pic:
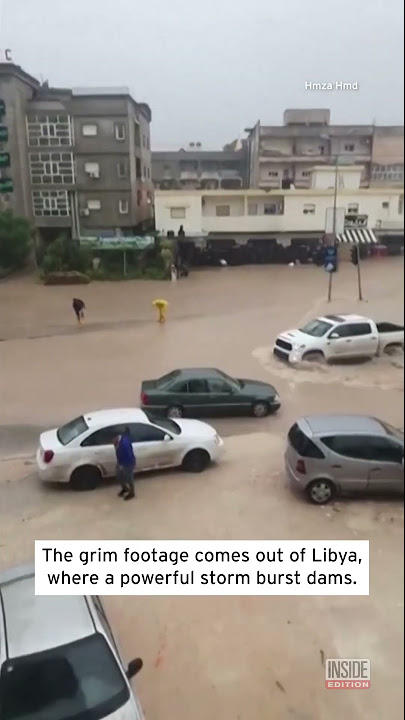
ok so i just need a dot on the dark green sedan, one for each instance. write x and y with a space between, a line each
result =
205 391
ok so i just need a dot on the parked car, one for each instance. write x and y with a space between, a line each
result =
207 391
58 657
82 452
331 454
339 336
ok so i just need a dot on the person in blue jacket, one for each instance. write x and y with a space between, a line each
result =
126 464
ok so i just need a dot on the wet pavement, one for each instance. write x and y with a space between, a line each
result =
234 658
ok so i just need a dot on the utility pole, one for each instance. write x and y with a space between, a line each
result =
335 195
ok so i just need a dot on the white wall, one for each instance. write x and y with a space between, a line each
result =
349 178
282 146
201 215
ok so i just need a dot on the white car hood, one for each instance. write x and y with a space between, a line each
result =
195 429
296 337
128 711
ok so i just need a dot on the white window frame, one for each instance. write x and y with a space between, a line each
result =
89 129
306 173
50 203
49 130
353 208
120 131
309 209
52 167
94 205
123 207
274 173
222 210
177 213
349 147
385 205
122 164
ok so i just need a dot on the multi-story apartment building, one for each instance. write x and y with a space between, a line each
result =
281 155
200 169
80 159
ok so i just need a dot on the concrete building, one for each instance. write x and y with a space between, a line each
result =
194 168
289 216
281 155
80 160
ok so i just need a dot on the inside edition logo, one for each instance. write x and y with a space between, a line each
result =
344 674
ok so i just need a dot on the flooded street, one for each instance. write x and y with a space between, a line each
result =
196 666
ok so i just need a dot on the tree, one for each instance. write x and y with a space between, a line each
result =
63 255
15 241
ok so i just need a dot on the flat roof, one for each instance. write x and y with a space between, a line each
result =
35 623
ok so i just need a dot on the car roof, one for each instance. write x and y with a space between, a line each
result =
114 416
35 623
341 318
344 424
197 372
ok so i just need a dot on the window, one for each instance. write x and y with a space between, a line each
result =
273 173
309 209
139 197
92 169
122 169
197 386
181 387
167 379
55 168
353 208
165 423
178 213
120 131
386 205
89 130
48 130
81 679
145 433
316 328
270 209
69 432
137 135
93 204
365 447
353 330
222 210
349 148
218 386
51 203
302 444
138 168
306 173
123 207
252 209
105 436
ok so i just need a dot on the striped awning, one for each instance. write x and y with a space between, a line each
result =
361 236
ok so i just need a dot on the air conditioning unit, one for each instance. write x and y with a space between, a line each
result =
85 212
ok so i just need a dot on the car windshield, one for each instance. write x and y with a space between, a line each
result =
232 381
164 423
79 681
316 328
165 379
394 432
69 432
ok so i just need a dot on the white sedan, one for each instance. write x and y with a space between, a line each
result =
82 452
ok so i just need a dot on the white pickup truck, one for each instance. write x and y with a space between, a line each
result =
338 336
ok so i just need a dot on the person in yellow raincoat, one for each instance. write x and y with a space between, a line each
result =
161 306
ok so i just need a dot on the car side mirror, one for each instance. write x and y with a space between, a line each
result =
134 667
334 336
167 438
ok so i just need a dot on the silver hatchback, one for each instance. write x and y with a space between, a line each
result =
337 454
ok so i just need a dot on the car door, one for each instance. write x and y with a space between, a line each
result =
364 340
153 447
348 461
98 448
386 473
339 341
223 398
197 397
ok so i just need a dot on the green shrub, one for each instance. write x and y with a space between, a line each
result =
63 255
15 241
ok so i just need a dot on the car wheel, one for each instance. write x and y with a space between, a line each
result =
174 411
260 409
85 478
321 491
196 461
393 349
316 356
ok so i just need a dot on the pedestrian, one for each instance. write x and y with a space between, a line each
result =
161 306
126 464
79 308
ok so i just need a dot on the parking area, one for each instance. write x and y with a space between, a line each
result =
235 658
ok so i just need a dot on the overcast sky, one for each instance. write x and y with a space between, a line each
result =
210 68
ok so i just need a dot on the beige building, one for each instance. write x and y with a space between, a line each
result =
362 215
279 156
80 160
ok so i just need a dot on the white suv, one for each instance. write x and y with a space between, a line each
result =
58 657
